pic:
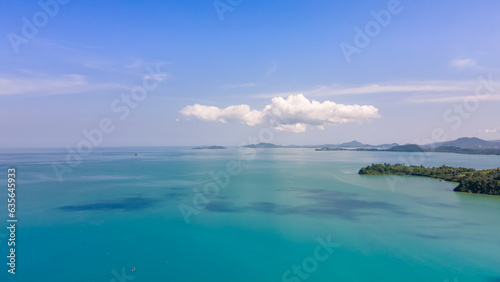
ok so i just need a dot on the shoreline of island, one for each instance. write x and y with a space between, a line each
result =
469 180
464 145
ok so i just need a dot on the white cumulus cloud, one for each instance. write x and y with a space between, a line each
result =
494 130
292 114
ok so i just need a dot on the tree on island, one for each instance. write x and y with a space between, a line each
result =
470 180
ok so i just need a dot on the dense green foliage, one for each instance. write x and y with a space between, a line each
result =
470 180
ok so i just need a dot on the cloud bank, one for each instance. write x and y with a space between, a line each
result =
382 88
463 63
292 114
494 130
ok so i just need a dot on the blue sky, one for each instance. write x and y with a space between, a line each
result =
423 71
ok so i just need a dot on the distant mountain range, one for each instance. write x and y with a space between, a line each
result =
348 145
465 145
355 144
266 145
469 143
210 148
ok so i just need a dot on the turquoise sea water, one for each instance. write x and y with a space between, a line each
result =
117 211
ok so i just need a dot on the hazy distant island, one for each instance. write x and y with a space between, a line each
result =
265 145
210 148
445 149
349 145
465 145
470 180
348 149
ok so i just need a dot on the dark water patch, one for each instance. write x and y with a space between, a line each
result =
223 206
175 195
471 224
428 236
270 208
429 203
325 201
309 210
226 206
347 214
308 191
128 204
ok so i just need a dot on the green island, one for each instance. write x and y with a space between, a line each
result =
210 148
470 180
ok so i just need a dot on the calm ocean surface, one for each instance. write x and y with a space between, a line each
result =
292 214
